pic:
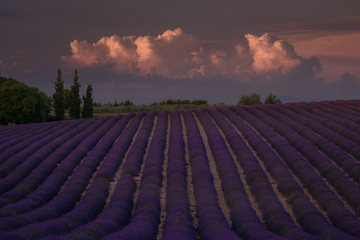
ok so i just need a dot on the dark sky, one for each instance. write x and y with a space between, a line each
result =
147 51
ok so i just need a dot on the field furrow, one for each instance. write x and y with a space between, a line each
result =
284 171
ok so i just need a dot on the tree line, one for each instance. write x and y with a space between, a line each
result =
20 103
70 99
181 102
255 98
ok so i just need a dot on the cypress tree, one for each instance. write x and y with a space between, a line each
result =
59 97
66 98
75 100
87 111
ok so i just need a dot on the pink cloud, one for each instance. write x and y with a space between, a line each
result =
271 54
177 54
334 41
119 51
169 54
338 52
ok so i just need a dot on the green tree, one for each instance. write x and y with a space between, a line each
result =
59 97
199 102
20 103
253 98
87 110
75 100
272 99
48 104
126 103
67 98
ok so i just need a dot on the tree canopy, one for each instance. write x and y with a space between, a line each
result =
272 99
250 99
67 99
75 100
87 110
20 103
59 97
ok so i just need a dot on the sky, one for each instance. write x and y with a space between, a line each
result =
146 51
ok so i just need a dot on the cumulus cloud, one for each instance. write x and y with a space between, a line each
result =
177 54
171 54
271 54
118 51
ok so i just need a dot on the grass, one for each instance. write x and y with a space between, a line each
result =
106 110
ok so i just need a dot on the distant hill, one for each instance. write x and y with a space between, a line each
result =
288 99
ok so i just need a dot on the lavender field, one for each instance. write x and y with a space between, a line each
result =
284 171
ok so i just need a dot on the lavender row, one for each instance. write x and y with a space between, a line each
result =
27 146
93 202
343 159
71 192
119 149
346 144
307 215
23 163
146 217
350 107
343 185
8 130
276 217
327 199
178 221
135 156
245 221
341 125
212 222
341 117
39 174
10 141
118 211
36 151
19 134
339 110
13 130
32 131
338 155
9 133
52 184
